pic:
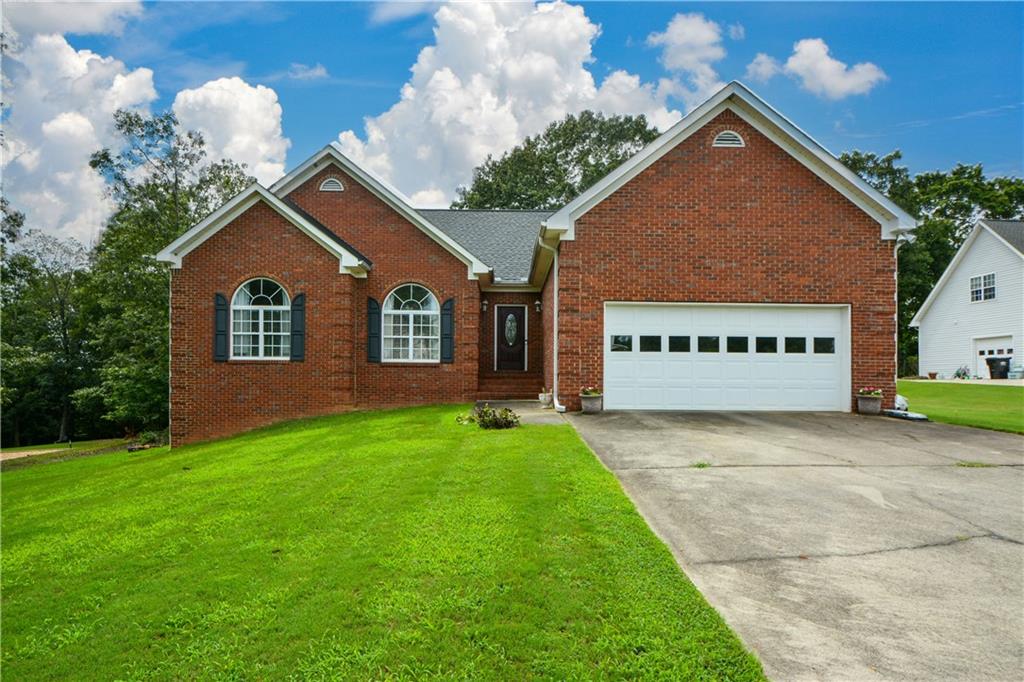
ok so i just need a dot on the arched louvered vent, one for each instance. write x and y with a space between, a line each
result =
332 185
728 138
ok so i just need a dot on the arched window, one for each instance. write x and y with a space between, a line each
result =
332 185
412 325
261 324
728 138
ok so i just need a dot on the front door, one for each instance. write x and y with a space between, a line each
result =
510 337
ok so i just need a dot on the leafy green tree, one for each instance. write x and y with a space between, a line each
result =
549 170
163 184
947 204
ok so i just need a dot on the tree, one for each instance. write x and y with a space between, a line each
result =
163 185
947 204
551 169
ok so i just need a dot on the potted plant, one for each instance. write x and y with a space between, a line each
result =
545 397
933 375
592 399
869 400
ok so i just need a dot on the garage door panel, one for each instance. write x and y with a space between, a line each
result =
686 378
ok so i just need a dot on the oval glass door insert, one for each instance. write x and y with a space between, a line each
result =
510 329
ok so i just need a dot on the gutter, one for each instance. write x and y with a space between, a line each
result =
554 354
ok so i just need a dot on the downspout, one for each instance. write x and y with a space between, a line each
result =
554 351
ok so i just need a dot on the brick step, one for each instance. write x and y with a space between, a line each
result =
507 395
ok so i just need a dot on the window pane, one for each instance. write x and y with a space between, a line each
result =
796 344
824 344
622 343
679 344
396 325
426 325
766 344
245 345
736 344
650 344
707 344
426 349
396 349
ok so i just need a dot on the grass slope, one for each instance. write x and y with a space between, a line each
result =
76 446
382 544
986 406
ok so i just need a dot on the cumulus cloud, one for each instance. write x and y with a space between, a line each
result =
61 103
387 12
763 68
239 122
496 73
818 71
29 18
690 45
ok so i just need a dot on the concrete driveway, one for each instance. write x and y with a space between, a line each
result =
839 547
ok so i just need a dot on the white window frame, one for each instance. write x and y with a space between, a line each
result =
332 184
409 314
261 333
982 287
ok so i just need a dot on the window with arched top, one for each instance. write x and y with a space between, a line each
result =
411 325
261 324
728 138
332 185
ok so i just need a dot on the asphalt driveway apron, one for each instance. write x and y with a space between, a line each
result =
838 547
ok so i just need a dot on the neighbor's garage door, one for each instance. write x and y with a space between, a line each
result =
722 357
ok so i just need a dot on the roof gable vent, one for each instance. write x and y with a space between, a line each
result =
728 138
332 185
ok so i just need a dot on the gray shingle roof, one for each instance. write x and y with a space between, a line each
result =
504 240
1010 230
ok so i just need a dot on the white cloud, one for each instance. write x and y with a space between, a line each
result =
393 10
690 45
737 32
304 72
496 73
763 68
824 75
818 71
239 122
62 102
29 18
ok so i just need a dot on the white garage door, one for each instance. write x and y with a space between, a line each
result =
726 357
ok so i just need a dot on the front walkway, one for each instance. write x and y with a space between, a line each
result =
838 547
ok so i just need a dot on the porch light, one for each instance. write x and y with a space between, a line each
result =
483 305
537 305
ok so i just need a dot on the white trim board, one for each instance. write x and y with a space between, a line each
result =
738 98
387 193
173 253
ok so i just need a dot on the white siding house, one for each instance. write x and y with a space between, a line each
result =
976 310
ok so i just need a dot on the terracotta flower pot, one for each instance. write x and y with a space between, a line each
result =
592 404
869 404
933 375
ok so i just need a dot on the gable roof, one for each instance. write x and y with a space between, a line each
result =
505 240
323 228
387 193
738 98
350 261
1013 228
1010 231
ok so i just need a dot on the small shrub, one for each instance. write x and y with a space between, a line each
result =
153 437
962 373
486 417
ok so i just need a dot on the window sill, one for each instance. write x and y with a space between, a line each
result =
414 363
259 359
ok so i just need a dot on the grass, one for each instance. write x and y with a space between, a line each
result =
76 446
389 544
985 406
969 464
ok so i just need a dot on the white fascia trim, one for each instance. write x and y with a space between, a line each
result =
947 273
893 220
1000 238
385 191
173 253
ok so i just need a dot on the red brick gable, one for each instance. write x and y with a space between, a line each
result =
729 225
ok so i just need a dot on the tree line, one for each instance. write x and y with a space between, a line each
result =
84 339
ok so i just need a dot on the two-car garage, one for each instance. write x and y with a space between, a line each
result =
695 356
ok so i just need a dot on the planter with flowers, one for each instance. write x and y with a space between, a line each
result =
592 399
869 400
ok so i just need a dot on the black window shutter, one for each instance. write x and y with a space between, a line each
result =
299 328
372 330
448 331
220 328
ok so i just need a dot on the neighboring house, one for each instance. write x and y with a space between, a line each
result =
976 310
732 264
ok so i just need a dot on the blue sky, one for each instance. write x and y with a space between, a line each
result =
945 82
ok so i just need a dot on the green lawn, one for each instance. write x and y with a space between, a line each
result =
986 406
371 545
76 446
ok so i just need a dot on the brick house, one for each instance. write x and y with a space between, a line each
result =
732 264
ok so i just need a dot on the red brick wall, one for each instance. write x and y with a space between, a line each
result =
533 378
749 225
211 399
401 253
